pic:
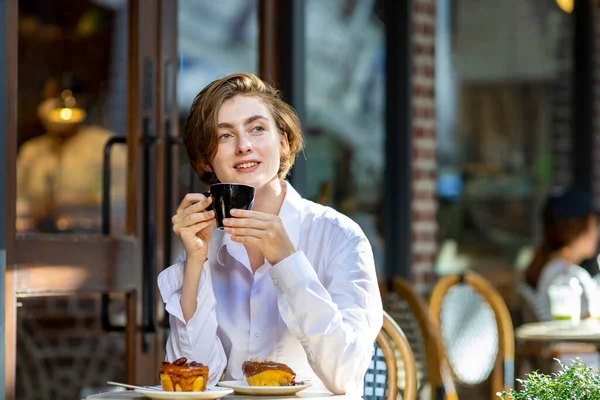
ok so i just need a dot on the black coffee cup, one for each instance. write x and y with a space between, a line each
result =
227 196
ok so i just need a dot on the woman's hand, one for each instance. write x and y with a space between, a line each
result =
260 230
194 225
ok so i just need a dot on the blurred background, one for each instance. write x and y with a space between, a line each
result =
438 125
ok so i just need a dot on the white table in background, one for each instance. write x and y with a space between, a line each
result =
587 331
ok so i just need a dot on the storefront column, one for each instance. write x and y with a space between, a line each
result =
398 139
583 95
281 62
8 134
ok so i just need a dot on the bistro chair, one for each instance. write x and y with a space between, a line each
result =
540 356
391 351
531 307
410 312
477 332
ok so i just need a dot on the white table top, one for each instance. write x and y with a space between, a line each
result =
588 331
313 395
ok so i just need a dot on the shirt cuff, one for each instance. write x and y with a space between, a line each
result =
170 282
293 270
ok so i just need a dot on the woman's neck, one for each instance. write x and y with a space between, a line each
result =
569 259
269 197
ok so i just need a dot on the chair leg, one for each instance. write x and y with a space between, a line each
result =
496 379
130 333
439 393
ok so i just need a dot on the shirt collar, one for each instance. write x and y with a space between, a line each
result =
290 214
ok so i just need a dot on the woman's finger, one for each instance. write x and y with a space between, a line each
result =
196 217
247 222
239 213
193 209
196 228
190 199
257 233
249 240
186 219
198 206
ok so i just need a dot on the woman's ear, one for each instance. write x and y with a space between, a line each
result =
284 143
202 166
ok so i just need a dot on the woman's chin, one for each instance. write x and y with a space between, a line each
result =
256 180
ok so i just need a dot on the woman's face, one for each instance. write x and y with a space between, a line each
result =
585 246
250 144
590 245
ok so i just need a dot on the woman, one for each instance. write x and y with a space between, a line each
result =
570 236
290 279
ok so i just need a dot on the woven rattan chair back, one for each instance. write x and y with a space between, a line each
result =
533 309
476 330
380 381
409 310
392 351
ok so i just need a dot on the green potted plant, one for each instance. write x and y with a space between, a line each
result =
575 381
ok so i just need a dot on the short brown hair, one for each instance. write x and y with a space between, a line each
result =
557 235
200 133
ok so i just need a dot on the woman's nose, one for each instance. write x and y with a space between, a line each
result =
244 144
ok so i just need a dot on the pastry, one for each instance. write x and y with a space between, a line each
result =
181 376
268 373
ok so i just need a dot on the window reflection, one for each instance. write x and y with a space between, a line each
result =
215 38
345 102
503 87
72 99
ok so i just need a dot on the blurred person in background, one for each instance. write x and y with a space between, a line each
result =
570 236
59 173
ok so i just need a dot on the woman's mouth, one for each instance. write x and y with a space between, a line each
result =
247 166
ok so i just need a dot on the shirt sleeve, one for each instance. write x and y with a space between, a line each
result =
336 321
197 339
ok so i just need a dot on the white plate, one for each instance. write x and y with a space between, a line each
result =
209 394
116 395
241 387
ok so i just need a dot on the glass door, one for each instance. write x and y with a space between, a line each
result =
95 125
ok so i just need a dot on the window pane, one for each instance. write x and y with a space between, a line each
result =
503 85
345 52
72 99
215 39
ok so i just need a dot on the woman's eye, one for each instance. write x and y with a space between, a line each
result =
258 129
224 136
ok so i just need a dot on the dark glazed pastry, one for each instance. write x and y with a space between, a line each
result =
181 376
268 373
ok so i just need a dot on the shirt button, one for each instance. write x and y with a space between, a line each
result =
257 333
275 282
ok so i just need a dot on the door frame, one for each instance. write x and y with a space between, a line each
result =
147 48
8 151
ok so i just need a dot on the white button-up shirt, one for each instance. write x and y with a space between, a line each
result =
318 311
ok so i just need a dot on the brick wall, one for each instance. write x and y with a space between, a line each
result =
424 202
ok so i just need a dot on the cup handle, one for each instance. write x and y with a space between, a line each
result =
210 206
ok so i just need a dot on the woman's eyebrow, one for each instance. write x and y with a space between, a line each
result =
246 122
253 118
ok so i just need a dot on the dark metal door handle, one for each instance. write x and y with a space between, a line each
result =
106 182
106 207
149 229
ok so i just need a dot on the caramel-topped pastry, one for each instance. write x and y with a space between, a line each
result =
268 373
181 376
